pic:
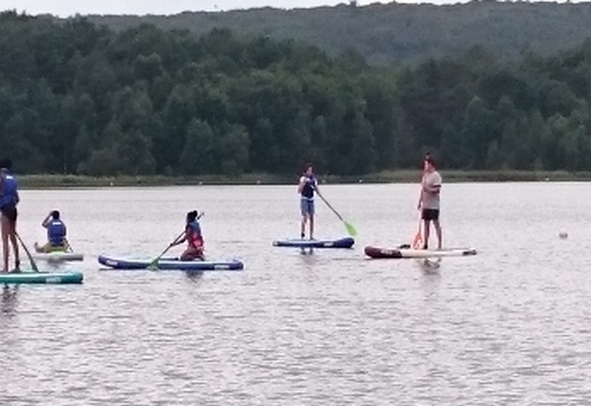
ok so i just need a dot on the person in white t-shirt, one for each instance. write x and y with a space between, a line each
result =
429 202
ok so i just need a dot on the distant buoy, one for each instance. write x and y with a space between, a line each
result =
563 234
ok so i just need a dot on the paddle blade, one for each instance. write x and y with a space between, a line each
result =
153 265
417 243
350 229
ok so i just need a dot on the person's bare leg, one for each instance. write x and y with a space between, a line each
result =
5 247
426 232
17 259
303 227
438 232
311 226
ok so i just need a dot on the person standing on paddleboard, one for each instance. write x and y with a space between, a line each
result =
193 237
429 201
9 199
306 188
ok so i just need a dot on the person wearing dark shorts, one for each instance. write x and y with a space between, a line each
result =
9 199
429 201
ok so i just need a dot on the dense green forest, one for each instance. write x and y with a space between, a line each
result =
80 98
394 32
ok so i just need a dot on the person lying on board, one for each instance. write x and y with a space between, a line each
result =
56 234
193 237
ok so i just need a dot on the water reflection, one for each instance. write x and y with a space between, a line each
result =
9 299
430 266
195 277
430 276
306 251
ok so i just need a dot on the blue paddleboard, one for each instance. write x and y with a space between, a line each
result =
346 242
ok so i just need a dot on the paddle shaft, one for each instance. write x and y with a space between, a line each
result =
31 260
330 207
68 246
169 247
418 240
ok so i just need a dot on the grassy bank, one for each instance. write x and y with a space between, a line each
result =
404 176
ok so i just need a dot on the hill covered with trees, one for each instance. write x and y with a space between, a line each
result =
84 99
385 33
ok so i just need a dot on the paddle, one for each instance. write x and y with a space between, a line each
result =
31 260
350 229
417 242
68 246
154 264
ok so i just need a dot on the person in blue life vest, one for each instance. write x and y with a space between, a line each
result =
429 201
56 234
9 199
307 186
193 237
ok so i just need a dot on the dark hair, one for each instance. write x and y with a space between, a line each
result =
55 214
191 216
308 165
5 163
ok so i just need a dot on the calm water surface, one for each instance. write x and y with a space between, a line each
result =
508 326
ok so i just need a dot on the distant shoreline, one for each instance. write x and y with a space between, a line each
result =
402 176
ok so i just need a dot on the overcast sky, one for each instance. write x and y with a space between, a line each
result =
65 8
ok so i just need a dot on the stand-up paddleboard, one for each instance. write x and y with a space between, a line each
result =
399 253
29 276
58 256
171 264
346 242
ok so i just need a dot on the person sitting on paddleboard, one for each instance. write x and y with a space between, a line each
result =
56 233
9 199
307 186
193 237
429 200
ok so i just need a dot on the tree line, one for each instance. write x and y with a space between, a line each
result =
80 98
397 32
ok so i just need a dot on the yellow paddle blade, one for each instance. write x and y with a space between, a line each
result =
350 229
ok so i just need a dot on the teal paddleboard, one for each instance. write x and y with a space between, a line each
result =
29 276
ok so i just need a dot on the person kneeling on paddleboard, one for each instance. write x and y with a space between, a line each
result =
193 237
56 234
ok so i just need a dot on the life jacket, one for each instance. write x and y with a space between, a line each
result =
194 237
9 190
56 232
309 186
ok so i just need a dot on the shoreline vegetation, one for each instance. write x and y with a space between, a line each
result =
48 181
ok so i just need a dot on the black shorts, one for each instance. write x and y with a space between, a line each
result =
9 211
430 214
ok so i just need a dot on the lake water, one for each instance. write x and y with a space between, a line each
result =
509 326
